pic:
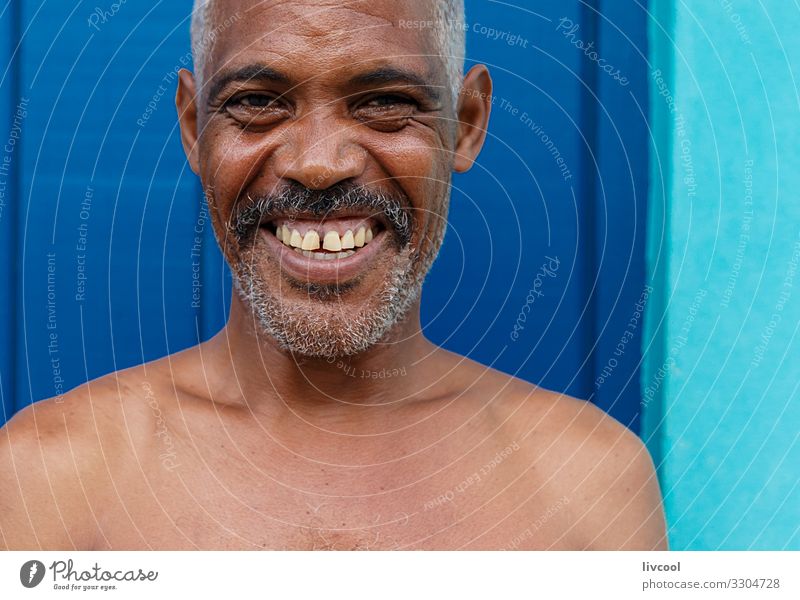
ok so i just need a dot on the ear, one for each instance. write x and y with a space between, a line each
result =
186 102
474 108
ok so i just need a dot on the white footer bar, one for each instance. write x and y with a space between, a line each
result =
401 575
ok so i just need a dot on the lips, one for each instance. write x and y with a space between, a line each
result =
325 251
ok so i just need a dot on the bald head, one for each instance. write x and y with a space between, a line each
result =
447 27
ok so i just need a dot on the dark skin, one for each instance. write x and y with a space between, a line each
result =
237 443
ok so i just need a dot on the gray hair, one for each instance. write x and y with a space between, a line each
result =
448 26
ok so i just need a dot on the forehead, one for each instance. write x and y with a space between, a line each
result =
307 37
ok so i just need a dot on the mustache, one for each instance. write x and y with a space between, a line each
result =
296 201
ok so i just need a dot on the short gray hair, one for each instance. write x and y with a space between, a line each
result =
448 25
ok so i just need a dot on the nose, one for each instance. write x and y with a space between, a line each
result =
320 153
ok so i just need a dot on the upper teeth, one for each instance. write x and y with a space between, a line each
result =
348 240
311 241
331 241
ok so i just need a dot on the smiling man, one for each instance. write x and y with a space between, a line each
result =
325 135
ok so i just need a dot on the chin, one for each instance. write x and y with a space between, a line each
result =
324 317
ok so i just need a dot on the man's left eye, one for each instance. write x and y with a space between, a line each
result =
388 113
390 100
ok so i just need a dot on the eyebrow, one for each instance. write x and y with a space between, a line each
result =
249 73
393 76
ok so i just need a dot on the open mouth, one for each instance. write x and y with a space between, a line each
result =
330 240
330 250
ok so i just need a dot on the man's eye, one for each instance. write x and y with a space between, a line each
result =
257 109
254 101
388 113
390 100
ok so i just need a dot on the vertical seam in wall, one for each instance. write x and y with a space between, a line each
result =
589 19
15 46
655 338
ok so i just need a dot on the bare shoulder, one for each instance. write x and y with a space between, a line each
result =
57 457
599 466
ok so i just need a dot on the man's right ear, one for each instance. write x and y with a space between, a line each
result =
186 102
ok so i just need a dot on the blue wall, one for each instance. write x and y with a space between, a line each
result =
721 379
8 194
100 262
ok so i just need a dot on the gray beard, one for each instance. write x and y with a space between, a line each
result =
322 327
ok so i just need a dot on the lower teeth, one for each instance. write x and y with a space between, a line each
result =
324 255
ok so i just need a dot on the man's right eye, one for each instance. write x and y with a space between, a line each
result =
253 101
257 108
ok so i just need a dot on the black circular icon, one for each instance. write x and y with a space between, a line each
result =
31 573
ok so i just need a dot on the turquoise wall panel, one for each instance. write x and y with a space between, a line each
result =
722 351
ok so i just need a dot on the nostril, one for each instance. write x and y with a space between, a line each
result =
316 169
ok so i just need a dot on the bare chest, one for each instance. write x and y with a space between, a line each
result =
199 507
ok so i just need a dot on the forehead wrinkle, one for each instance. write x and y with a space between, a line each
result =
291 12
360 7
343 24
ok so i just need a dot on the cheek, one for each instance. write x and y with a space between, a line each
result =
228 162
418 165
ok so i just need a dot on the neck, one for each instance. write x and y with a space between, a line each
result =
254 371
